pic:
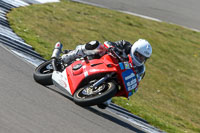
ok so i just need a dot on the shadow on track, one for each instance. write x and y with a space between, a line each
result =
100 113
115 120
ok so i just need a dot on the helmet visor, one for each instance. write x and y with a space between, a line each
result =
139 57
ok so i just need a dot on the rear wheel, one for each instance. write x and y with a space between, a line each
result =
87 96
43 73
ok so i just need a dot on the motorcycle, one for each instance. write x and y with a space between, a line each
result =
91 81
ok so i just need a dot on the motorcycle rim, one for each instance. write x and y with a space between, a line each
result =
86 96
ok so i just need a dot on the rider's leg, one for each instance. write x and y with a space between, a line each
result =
105 104
90 48
108 102
74 54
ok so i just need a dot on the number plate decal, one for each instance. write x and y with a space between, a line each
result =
129 79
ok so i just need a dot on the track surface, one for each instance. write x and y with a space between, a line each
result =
181 12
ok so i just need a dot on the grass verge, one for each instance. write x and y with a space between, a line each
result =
169 95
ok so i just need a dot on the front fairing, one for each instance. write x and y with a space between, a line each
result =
127 75
79 71
106 64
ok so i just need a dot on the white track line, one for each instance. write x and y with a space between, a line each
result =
47 1
134 14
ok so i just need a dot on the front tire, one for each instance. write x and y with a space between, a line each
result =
43 73
85 96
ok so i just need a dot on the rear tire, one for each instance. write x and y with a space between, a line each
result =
82 99
43 73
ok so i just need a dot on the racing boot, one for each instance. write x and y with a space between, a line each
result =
57 50
105 104
94 48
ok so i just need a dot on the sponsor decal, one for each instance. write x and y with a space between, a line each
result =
130 80
130 76
121 65
62 83
86 73
126 64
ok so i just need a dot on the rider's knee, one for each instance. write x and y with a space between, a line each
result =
94 47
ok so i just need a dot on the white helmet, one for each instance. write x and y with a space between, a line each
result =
140 52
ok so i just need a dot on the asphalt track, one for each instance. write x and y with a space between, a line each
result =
181 12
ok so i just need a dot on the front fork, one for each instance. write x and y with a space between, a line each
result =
103 79
99 82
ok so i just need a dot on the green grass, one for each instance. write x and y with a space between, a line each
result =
169 95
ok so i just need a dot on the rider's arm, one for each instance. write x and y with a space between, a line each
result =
122 44
140 72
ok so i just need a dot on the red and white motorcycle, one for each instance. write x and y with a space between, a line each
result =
91 82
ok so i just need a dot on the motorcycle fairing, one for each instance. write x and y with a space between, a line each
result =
73 75
60 79
93 67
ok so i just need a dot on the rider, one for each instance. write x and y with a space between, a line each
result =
140 51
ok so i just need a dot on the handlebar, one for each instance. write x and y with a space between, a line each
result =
115 54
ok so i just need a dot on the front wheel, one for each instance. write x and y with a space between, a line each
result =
87 96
